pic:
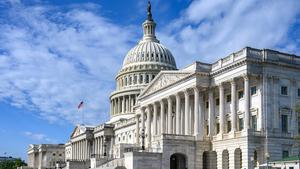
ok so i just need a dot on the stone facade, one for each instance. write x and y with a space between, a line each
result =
45 156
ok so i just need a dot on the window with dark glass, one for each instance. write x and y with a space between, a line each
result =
228 126
285 154
241 124
253 90
299 92
254 122
218 128
240 94
217 102
207 129
206 105
284 123
228 98
284 90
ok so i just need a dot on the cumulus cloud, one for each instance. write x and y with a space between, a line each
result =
38 137
51 59
208 30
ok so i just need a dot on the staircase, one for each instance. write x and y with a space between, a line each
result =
112 164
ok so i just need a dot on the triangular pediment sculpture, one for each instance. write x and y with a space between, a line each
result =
164 79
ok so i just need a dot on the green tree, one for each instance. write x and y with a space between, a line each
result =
12 164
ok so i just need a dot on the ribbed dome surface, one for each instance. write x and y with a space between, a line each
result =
149 52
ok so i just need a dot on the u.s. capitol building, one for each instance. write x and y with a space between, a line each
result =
238 112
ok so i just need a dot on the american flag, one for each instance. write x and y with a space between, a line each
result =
80 105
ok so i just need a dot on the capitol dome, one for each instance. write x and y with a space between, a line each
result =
140 66
151 52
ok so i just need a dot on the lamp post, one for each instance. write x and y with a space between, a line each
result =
267 158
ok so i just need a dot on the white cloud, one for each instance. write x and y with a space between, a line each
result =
39 137
52 59
208 30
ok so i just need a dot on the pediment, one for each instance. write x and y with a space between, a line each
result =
78 131
163 80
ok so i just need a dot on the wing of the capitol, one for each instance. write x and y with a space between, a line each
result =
238 112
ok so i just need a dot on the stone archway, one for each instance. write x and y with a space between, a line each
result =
178 161
225 159
209 160
238 158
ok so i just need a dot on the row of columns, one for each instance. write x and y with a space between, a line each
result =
80 150
233 108
99 146
122 104
192 118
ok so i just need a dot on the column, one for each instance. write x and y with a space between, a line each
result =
148 128
123 104
101 152
247 102
233 106
96 146
137 129
144 78
143 126
169 115
118 104
115 107
129 104
178 107
221 108
155 119
186 113
162 117
196 112
276 104
201 116
211 113
111 108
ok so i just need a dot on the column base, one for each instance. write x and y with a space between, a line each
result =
198 137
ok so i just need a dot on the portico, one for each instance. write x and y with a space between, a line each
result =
183 112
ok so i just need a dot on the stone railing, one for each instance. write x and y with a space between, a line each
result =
102 126
264 55
125 122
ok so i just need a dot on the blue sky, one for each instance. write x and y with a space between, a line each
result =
55 53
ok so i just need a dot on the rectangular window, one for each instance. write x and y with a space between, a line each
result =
228 126
217 102
240 94
253 90
285 154
228 98
284 123
241 124
284 90
218 128
206 105
299 92
254 122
